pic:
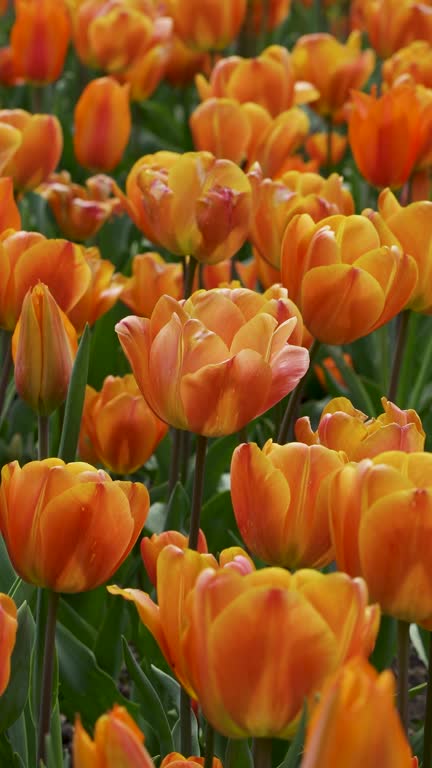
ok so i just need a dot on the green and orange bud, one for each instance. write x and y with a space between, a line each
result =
10 217
44 345
38 152
102 121
68 527
210 223
233 342
104 289
332 67
348 257
117 741
118 429
324 620
208 25
344 428
176 760
8 630
280 511
152 276
347 724
152 546
39 40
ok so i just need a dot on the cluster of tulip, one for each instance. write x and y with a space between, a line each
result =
245 458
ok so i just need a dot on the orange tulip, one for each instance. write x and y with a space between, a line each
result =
222 126
176 760
234 619
332 67
277 503
392 24
231 342
80 212
385 134
219 275
117 741
10 140
268 15
102 292
347 257
8 630
381 522
177 572
343 428
151 278
44 346
278 141
39 150
68 527
102 124
210 223
317 148
347 725
9 214
152 546
329 366
8 76
413 61
27 258
118 429
147 70
184 63
39 40
208 26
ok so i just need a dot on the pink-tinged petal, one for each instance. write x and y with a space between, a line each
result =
201 347
217 312
288 366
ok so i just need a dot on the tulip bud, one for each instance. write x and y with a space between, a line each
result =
37 153
44 345
117 740
39 39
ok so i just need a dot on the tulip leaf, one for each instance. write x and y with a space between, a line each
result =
149 700
359 394
238 754
176 735
385 645
14 698
295 750
178 509
106 356
8 757
37 658
108 654
75 400
85 687
167 688
53 741
218 462
7 573
79 627
218 523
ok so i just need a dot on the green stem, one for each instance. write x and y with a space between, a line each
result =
185 723
174 470
189 268
200 457
184 455
262 753
47 674
209 746
43 437
403 659
402 331
427 743
6 367
246 40
286 429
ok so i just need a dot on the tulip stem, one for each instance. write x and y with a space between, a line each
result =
209 746
185 723
43 437
174 470
189 268
287 424
402 331
47 673
6 367
262 752
427 742
198 487
403 659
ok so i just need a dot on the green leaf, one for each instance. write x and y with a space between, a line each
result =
176 735
218 523
295 750
75 400
150 701
420 639
167 688
106 355
178 509
14 698
7 573
238 754
85 687
8 757
72 620
358 392
385 646
107 652
38 656
218 462
53 741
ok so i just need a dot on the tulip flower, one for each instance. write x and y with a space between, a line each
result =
332 67
39 150
268 15
386 134
152 546
344 428
80 212
184 63
102 122
316 146
232 342
44 346
413 61
117 741
278 141
68 527
10 140
8 630
234 619
102 292
222 126
27 258
381 524
347 725
9 214
176 760
151 277
39 39
118 429
208 26
210 223
347 257
277 502
392 24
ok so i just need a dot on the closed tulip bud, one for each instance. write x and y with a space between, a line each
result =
152 277
392 24
210 25
8 630
102 292
102 121
281 138
118 429
39 150
68 527
221 127
152 546
233 342
148 69
323 620
44 346
345 256
344 428
9 214
347 725
281 514
117 741
27 258
176 760
39 39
